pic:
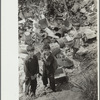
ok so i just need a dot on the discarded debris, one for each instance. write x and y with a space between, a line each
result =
55 48
43 23
61 42
57 24
65 62
60 73
50 33
90 34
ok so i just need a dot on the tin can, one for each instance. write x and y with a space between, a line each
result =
55 48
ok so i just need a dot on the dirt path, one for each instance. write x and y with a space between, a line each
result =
68 91
64 95
72 90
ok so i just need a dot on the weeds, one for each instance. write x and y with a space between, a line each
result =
88 86
90 91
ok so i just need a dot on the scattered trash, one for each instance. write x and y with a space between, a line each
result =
56 24
50 33
55 48
21 21
43 23
61 42
68 38
90 34
60 73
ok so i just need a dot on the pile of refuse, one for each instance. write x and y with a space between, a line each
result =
35 28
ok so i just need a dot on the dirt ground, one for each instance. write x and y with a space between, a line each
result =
80 82
85 68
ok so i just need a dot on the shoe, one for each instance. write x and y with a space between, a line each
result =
45 88
32 94
26 97
54 90
49 90
33 97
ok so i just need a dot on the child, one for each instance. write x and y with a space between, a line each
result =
31 69
48 68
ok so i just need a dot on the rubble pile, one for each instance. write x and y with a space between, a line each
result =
57 24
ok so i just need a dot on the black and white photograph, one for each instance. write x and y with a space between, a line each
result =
58 49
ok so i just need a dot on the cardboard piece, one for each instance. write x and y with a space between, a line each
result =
60 73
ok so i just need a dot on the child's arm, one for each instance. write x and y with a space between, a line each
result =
26 68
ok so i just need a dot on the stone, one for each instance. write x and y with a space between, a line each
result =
90 34
82 51
65 62
83 10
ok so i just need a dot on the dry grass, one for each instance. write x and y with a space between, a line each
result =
86 80
90 90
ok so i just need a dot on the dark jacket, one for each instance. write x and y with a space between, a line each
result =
31 66
48 65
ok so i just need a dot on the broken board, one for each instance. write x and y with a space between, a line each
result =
50 33
65 62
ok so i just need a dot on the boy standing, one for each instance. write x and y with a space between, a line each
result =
31 69
48 68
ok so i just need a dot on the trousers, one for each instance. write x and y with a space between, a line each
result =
45 78
30 85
